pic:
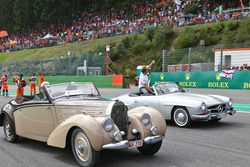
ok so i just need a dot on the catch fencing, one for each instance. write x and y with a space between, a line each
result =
206 58
88 64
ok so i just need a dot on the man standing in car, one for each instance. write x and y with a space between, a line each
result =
144 81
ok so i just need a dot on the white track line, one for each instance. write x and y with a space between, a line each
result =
248 112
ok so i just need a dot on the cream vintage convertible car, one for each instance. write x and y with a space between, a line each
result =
74 114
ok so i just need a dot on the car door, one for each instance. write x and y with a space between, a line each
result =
166 105
146 100
35 120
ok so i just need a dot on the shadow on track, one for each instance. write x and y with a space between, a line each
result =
206 125
108 158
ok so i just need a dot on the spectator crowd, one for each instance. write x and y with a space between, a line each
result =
243 67
89 24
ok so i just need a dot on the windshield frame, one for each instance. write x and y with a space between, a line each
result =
67 93
158 91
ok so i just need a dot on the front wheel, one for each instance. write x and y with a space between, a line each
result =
9 130
181 117
150 149
83 152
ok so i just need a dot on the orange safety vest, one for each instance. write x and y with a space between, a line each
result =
4 83
41 79
32 84
20 88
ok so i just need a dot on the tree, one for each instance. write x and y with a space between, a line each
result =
6 15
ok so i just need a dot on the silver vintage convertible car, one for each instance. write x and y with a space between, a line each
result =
75 115
180 106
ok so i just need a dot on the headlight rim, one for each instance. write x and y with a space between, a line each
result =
143 117
105 127
154 130
117 136
203 106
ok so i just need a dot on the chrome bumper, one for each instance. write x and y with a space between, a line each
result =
125 143
152 139
211 116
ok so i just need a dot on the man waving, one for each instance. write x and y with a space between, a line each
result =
143 80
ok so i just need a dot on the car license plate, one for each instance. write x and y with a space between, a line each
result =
136 143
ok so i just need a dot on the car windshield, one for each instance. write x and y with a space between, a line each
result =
168 87
72 89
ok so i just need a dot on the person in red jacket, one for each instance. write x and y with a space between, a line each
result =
5 86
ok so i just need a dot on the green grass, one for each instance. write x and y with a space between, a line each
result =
62 50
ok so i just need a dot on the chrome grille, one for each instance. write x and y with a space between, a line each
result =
217 108
119 115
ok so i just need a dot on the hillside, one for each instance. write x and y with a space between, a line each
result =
129 51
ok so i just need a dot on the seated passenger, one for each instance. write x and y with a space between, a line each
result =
143 81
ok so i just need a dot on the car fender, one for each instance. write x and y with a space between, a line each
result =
6 110
87 123
156 119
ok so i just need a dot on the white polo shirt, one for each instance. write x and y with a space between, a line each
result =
143 79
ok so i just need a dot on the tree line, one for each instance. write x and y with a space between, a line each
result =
24 15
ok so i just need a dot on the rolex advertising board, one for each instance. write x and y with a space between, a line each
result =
215 80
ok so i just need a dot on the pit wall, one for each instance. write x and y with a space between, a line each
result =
213 80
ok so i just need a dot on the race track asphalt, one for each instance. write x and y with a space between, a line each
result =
224 144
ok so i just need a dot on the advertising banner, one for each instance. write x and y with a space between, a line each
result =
214 80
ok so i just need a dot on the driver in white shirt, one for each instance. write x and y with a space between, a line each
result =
143 80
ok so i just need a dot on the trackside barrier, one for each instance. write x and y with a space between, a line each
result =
214 80
103 81
117 80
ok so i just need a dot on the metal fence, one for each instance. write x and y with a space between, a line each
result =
93 64
205 58
189 59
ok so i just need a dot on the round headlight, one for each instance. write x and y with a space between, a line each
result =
203 106
145 119
118 136
154 130
230 102
108 124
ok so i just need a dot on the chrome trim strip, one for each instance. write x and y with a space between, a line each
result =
200 117
125 143
116 146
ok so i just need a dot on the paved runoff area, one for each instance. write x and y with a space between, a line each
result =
223 144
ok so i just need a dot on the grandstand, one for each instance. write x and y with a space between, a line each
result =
90 23
150 17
